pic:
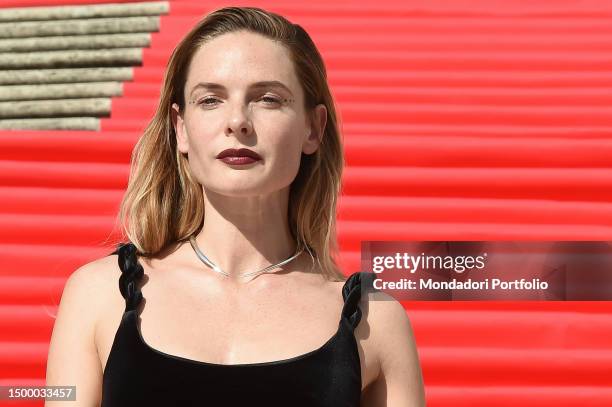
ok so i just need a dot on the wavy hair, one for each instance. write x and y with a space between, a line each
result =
163 203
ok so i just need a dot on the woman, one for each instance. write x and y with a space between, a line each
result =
230 215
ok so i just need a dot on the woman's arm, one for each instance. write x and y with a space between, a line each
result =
400 381
73 358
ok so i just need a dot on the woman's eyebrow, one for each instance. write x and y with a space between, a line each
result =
261 84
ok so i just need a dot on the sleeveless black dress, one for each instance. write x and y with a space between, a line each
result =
138 375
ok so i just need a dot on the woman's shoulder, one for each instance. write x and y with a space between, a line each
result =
394 347
385 314
94 286
92 275
390 330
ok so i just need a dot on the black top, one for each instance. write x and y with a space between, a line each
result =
138 375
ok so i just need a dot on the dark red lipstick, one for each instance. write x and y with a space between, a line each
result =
238 156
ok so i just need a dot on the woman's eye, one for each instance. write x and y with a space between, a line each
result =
206 101
269 100
212 101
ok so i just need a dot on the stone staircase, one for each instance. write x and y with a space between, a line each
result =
60 66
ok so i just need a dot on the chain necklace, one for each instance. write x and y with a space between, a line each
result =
216 268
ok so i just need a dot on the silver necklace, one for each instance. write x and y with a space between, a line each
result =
216 268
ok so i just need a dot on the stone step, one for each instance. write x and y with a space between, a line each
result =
71 58
79 26
74 42
65 75
61 91
57 107
84 11
52 123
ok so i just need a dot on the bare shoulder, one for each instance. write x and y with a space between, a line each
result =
387 316
92 280
400 379
93 286
95 272
73 356
386 322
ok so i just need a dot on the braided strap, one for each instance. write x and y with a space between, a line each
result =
358 283
131 272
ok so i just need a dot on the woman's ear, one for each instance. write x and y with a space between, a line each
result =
314 136
182 142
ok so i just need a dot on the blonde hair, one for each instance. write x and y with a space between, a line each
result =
163 203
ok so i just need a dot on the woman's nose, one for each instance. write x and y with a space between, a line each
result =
240 120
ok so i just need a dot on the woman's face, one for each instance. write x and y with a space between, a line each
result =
230 110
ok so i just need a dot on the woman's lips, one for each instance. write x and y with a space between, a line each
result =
238 152
238 160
